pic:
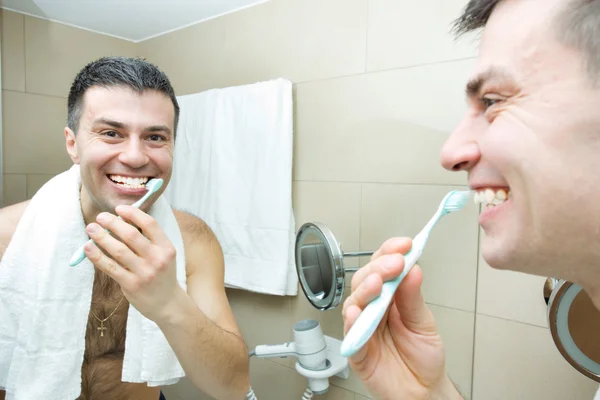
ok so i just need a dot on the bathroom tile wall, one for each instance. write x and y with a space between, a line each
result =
39 61
378 87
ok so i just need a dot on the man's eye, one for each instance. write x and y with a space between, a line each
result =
489 102
111 134
156 138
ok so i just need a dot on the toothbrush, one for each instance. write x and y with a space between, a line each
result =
151 186
367 322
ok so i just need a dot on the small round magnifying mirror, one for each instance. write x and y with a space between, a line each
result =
320 265
575 325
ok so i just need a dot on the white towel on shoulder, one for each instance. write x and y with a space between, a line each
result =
44 303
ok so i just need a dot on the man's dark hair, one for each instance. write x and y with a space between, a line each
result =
577 25
134 73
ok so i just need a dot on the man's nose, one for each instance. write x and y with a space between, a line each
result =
461 150
134 154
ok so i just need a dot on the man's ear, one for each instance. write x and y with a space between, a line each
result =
71 145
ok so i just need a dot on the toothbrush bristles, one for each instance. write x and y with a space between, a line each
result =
457 200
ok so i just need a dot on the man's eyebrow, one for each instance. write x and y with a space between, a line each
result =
492 74
159 128
109 122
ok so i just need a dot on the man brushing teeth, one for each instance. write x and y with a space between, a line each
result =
530 145
122 122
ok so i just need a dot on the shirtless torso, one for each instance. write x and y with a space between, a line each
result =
105 348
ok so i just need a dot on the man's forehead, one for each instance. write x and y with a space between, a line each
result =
519 36
98 99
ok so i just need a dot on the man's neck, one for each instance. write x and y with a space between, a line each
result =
89 210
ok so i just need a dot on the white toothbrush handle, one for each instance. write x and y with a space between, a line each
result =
369 319
79 255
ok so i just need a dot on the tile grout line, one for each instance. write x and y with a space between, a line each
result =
464 185
351 75
475 315
360 216
368 3
35 94
513 320
24 55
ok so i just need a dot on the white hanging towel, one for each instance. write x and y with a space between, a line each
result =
233 169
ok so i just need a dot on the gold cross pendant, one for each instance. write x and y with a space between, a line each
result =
101 328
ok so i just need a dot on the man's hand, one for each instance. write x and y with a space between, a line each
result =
404 359
142 263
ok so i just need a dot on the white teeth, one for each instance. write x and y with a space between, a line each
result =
129 182
491 197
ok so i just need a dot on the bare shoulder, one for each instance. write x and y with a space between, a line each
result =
9 219
199 241
194 229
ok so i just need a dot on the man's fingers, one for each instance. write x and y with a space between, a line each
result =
126 232
149 226
394 245
106 264
367 291
387 266
119 251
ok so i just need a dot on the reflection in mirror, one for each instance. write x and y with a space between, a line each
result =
320 265
316 264
575 326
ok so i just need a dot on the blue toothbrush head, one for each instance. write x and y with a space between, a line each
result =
154 184
455 200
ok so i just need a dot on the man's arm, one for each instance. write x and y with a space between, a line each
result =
199 324
201 328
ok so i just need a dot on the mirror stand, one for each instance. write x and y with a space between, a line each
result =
320 265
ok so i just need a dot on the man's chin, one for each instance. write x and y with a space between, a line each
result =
497 254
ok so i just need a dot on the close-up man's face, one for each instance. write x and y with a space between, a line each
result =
530 142
124 139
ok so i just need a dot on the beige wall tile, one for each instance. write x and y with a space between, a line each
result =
34 133
335 204
35 183
54 53
393 23
457 330
298 40
380 127
13 51
262 319
14 189
449 262
519 361
511 295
